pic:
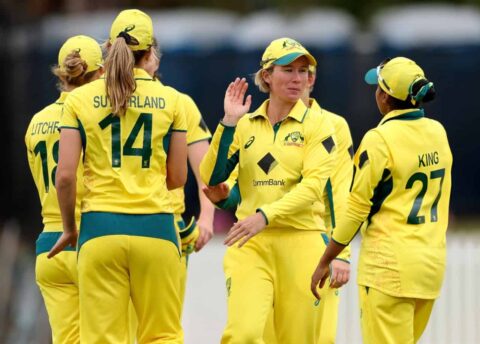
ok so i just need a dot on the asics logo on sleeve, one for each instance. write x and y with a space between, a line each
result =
249 142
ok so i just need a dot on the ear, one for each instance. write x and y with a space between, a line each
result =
266 76
382 95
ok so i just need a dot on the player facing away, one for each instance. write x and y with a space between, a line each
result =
196 234
285 155
331 208
132 131
401 189
79 62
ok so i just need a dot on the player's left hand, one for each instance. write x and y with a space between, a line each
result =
245 229
206 232
189 236
319 277
340 273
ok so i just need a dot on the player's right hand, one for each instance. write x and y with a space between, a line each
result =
235 104
66 239
319 277
216 193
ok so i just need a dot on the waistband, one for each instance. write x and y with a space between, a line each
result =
46 240
96 224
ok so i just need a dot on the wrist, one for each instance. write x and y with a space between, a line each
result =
208 220
229 121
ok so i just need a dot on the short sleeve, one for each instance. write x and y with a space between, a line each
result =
197 130
179 115
69 117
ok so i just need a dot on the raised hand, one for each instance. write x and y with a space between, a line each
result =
235 104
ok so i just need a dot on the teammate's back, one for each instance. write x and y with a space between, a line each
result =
131 178
409 214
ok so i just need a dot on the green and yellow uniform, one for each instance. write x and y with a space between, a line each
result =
282 170
127 208
401 188
57 277
332 207
197 131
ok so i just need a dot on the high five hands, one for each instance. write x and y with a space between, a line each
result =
235 104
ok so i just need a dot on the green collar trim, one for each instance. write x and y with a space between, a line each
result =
408 116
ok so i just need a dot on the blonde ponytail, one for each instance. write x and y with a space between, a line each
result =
119 77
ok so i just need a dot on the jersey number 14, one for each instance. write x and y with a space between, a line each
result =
144 121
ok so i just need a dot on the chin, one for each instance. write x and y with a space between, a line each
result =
292 97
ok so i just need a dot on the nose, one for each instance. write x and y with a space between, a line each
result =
296 76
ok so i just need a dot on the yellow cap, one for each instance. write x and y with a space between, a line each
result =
396 77
284 51
87 47
136 27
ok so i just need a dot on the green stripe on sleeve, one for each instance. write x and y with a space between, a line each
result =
224 165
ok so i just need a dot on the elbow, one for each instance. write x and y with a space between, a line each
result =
64 180
176 180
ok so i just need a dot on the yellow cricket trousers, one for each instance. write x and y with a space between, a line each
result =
58 282
273 270
123 257
387 319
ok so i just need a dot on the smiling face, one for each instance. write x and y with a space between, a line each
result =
289 82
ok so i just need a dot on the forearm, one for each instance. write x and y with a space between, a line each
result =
216 165
299 198
207 209
66 194
331 252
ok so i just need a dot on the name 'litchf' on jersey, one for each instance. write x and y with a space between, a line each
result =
44 128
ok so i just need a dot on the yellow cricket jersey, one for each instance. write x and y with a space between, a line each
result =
338 186
401 188
125 156
42 138
197 131
282 169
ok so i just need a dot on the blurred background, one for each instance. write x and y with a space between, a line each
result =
207 43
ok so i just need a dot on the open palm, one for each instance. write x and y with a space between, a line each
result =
235 103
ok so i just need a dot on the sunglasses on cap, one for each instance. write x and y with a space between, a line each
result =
380 79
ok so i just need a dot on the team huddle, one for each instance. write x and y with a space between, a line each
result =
109 160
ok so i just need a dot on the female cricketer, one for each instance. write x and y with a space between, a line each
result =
79 62
333 207
132 131
285 154
196 233
401 189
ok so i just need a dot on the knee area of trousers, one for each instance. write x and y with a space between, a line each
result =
242 335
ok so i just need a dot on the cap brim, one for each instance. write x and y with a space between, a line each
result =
371 77
289 58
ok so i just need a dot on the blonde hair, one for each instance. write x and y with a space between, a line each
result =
73 71
119 78
259 81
